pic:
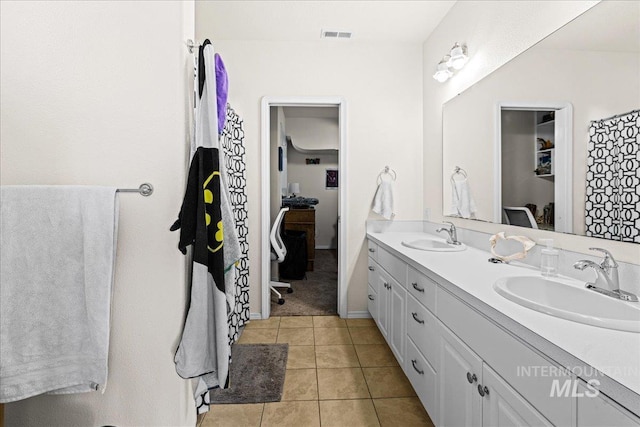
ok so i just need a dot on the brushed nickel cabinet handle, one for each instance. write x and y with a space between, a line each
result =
371 268
413 363
371 298
483 390
415 286
471 378
415 317
371 250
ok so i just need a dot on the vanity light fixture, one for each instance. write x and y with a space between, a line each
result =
452 62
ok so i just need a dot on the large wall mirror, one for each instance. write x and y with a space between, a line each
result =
550 140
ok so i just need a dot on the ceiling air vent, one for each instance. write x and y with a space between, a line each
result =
336 34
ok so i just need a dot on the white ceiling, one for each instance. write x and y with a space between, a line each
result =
303 20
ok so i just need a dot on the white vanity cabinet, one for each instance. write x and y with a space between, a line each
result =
387 298
511 361
471 393
465 367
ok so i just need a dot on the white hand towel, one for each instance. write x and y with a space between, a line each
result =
56 273
383 200
462 203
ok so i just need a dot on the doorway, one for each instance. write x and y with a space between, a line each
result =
533 165
318 174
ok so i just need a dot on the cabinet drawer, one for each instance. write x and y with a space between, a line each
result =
523 369
394 266
372 249
300 216
372 302
422 288
422 377
422 328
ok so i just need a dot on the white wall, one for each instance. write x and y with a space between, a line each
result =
382 86
96 93
316 137
312 184
494 33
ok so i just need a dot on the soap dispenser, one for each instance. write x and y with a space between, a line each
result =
549 259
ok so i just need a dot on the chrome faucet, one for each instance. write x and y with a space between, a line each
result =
452 232
607 281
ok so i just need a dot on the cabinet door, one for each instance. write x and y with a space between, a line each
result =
372 302
397 321
502 406
384 284
372 291
459 403
596 410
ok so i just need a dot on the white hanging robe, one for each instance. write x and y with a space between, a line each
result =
204 350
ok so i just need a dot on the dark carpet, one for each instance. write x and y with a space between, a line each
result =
257 374
315 296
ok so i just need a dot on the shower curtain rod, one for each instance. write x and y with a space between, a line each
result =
145 189
615 116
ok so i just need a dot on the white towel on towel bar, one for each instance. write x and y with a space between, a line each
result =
462 203
383 200
56 273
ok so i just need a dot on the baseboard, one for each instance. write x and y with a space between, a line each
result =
321 247
358 315
350 315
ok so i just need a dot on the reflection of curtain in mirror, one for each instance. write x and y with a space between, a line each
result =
613 178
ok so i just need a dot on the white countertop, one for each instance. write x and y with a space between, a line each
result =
614 353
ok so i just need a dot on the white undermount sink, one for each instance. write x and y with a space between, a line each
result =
436 245
570 302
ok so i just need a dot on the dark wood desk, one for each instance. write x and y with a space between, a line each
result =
304 220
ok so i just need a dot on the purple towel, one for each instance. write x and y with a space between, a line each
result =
222 89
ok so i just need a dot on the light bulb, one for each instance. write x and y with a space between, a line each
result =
442 73
458 57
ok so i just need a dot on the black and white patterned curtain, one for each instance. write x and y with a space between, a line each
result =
232 141
613 178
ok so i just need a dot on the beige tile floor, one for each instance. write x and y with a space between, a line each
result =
339 373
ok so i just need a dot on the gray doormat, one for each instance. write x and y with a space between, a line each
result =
257 374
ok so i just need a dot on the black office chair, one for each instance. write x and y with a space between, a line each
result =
278 255
520 216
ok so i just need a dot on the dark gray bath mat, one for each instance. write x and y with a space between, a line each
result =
257 374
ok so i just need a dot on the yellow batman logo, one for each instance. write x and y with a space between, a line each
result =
208 199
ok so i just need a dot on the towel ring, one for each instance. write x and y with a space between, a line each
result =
458 171
387 171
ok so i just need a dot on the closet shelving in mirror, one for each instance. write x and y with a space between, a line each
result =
544 143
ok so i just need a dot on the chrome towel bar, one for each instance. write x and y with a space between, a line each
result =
145 189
